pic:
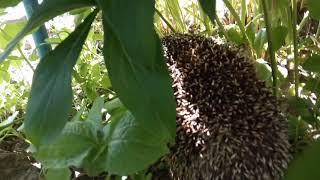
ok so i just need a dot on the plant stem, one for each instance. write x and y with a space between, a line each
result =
165 20
295 48
243 11
270 47
25 58
221 27
302 23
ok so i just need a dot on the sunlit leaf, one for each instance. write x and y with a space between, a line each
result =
51 95
8 3
8 121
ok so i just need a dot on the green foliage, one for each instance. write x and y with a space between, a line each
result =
306 165
312 64
51 96
61 174
8 3
209 7
46 11
142 73
313 6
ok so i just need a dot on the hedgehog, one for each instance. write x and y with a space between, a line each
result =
229 126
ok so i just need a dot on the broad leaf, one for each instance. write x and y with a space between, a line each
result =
209 7
46 11
10 30
123 137
51 94
306 165
312 64
95 112
134 59
58 174
234 34
71 147
279 37
313 6
8 3
263 70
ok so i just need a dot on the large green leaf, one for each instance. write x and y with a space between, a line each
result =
279 36
51 94
134 58
46 11
8 3
209 7
10 30
306 165
312 64
313 6
71 147
123 138
95 112
55 174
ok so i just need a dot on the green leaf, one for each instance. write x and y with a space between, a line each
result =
46 11
95 112
305 166
4 76
175 11
10 30
113 105
279 37
296 127
299 106
263 71
209 7
123 137
234 34
312 64
55 174
9 121
71 147
134 59
260 40
8 3
313 6
51 94
250 31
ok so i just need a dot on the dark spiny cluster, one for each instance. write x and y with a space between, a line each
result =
228 124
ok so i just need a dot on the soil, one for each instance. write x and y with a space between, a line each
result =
15 162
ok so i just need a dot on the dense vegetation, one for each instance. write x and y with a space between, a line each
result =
97 108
